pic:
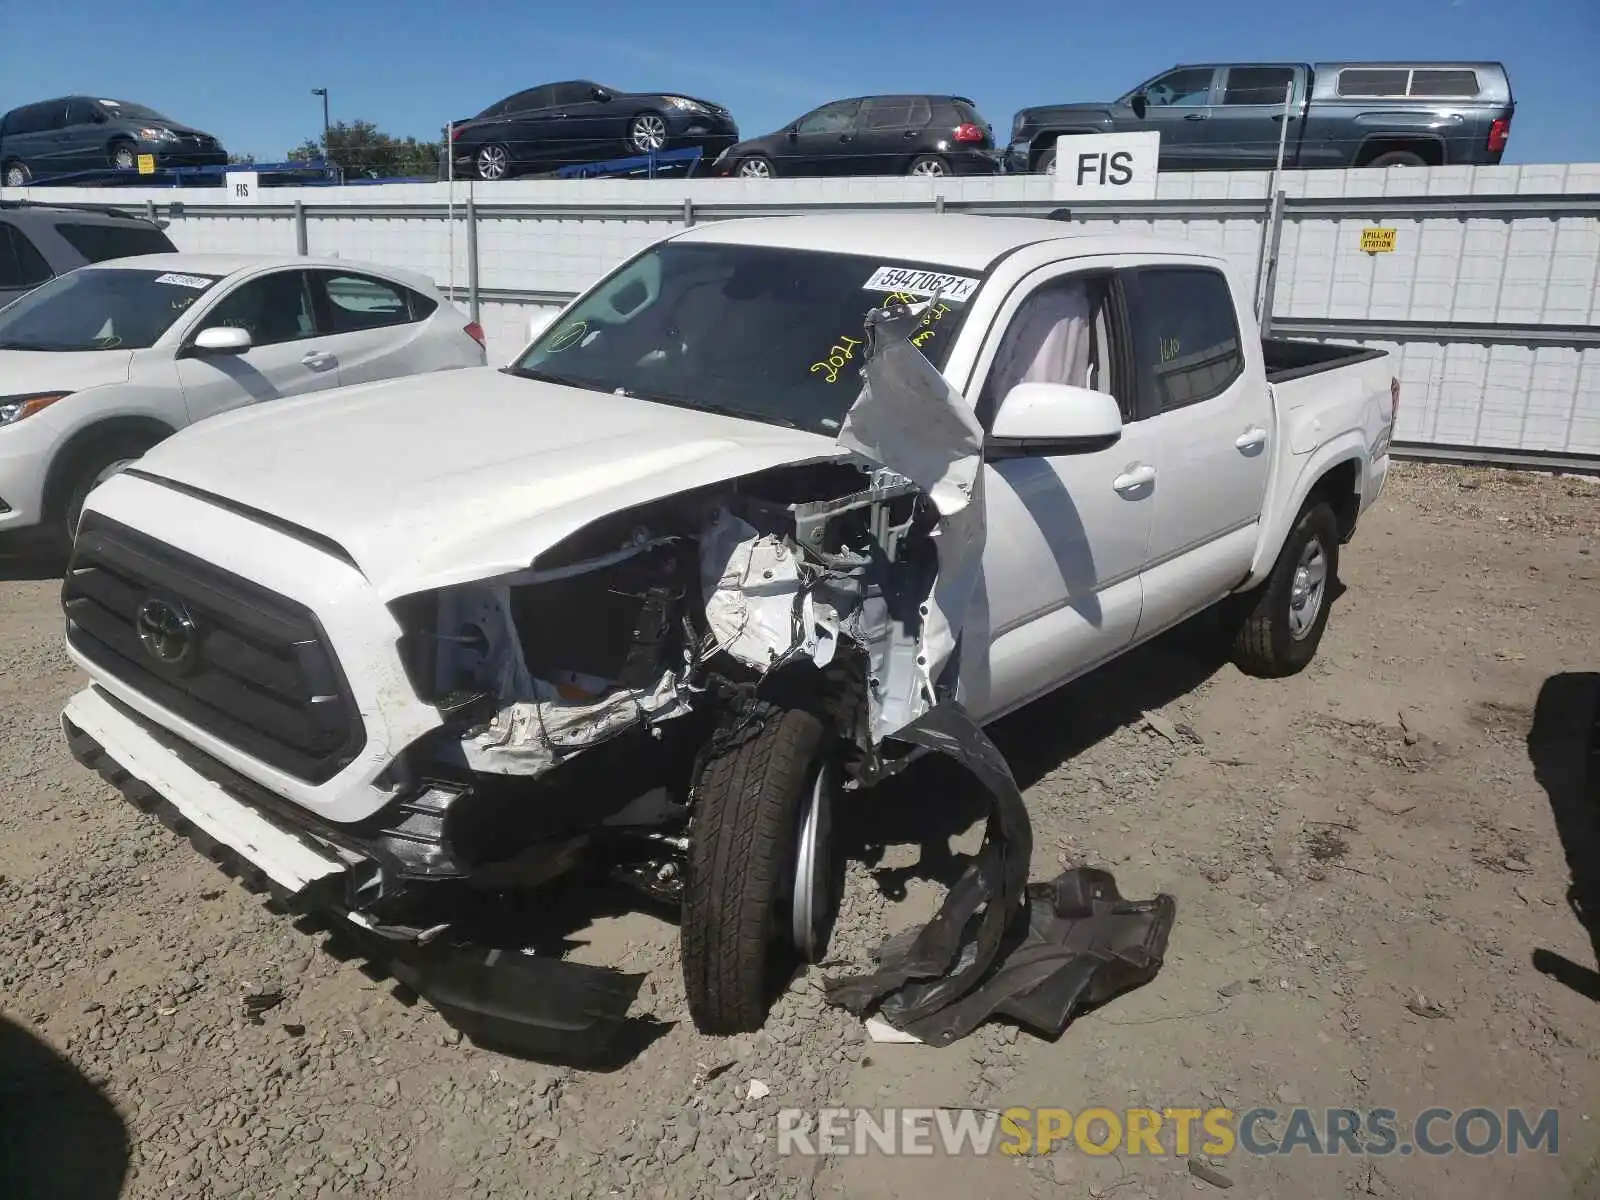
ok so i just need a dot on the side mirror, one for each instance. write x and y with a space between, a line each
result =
793 131
1054 418
222 339
1139 102
601 94
98 117
540 321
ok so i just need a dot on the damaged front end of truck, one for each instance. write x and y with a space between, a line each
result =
580 695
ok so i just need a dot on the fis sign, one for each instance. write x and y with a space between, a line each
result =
1107 166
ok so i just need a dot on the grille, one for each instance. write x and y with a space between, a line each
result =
251 667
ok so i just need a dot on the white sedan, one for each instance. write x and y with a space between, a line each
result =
102 363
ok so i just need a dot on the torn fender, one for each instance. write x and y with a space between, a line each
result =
910 420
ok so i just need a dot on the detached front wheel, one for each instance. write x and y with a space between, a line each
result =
1283 626
763 881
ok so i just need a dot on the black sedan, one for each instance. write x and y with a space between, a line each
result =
562 124
873 135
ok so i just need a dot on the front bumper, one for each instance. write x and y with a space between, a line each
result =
152 776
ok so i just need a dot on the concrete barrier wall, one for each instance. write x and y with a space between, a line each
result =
1490 299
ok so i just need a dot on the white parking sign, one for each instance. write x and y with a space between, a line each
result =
241 186
1107 166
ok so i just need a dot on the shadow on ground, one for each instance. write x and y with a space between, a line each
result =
20 563
1564 746
936 800
60 1138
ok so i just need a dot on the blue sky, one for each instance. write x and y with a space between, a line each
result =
245 72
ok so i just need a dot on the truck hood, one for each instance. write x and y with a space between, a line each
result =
26 371
456 476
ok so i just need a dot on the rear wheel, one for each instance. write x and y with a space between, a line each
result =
763 881
17 175
1399 158
928 164
1285 618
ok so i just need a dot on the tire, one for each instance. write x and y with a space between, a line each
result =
492 162
1277 635
749 807
928 166
757 166
1046 162
122 156
647 133
1399 158
91 466
17 175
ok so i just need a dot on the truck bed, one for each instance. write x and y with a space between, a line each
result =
1288 358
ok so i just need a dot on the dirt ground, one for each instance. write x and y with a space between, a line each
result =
1372 864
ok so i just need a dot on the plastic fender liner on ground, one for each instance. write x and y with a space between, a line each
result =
1036 954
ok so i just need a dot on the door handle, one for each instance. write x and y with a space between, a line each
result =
1135 477
1283 116
1194 116
318 360
909 133
844 137
1251 438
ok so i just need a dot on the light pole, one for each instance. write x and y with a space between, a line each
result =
323 92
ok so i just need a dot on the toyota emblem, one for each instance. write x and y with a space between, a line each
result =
167 632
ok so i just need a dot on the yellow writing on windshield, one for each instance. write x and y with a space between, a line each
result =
839 353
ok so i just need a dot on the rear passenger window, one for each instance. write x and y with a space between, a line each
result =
1257 85
98 243
1185 336
1462 84
21 266
357 302
888 112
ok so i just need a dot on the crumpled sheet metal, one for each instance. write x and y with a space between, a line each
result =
910 420
999 946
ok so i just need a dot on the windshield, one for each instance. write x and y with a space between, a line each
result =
134 112
96 309
776 335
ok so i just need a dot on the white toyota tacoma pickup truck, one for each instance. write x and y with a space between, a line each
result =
663 591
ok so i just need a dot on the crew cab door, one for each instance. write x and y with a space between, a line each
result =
1201 392
1245 127
1178 106
1067 534
288 356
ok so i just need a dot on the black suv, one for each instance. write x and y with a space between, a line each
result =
872 135
564 124
40 241
84 133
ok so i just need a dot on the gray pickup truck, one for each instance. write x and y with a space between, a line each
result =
1230 116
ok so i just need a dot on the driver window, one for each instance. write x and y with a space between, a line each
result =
831 118
274 309
1185 87
1057 335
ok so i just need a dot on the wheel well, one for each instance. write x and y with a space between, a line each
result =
1339 489
69 459
1047 141
1430 150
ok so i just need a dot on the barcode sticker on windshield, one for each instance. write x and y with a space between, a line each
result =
188 281
951 288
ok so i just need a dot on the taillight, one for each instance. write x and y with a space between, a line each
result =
1394 399
968 132
1499 134
475 332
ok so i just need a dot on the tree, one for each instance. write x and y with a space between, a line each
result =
241 160
361 148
